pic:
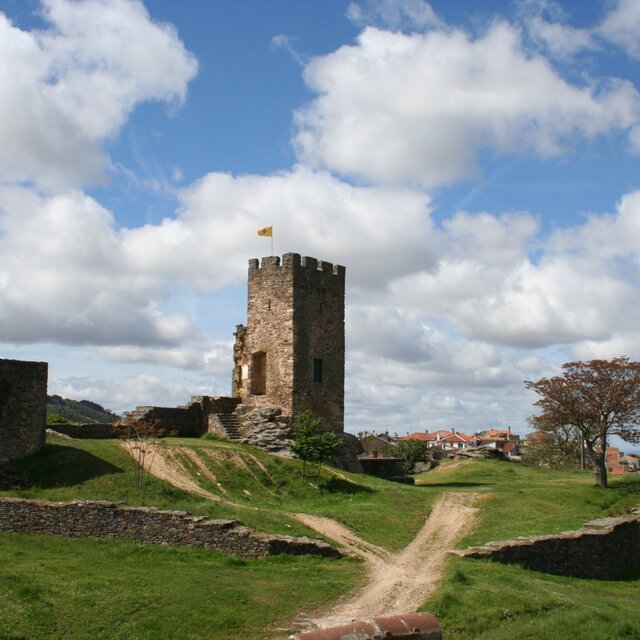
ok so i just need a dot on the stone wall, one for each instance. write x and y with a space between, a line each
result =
23 408
189 420
90 430
186 421
151 525
295 316
604 549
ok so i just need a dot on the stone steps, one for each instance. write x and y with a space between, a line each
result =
230 424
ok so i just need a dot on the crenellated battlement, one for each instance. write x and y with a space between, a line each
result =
294 261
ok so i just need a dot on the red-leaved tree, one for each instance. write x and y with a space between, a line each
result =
599 398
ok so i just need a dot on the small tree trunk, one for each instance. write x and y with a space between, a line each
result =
598 458
600 470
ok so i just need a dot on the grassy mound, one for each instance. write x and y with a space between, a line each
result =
265 490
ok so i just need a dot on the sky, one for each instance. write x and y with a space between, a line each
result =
473 165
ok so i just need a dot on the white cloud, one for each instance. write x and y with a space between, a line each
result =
123 394
394 14
560 40
419 108
622 26
195 353
66 278
379 233
68 88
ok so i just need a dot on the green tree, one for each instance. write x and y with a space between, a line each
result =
411 451
553 445
56 418
310 444
598 398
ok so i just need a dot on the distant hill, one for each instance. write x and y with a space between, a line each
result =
83 411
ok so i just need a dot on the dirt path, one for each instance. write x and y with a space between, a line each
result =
395 583
165 465
400 583
376 557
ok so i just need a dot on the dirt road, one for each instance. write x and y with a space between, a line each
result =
396 583
402 582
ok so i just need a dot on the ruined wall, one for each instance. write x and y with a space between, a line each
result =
189 420
148 524
604 549
295 316
91 430
186 421
23 408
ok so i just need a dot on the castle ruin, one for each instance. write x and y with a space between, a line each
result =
290 354
288 358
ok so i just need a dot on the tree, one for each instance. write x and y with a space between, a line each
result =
140 437
312 445
553 445
599 398
411 451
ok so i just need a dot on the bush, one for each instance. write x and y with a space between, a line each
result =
56 418
411 451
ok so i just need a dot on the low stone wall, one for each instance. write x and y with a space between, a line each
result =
383 467
151 525
605 549
94 431
186 421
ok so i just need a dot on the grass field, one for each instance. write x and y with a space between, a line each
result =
103 589
59 588
483 600
520 500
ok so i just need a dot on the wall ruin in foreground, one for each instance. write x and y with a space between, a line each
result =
604 549
151 525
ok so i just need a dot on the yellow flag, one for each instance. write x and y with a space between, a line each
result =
267 231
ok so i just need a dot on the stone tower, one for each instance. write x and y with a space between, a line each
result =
291 353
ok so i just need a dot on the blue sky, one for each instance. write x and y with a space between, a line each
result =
474 166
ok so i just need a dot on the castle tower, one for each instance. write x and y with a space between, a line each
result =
291 353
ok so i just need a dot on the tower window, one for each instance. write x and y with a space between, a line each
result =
259 373
317 371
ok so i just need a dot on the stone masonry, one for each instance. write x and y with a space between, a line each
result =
23 408
604 549
290 355
150 525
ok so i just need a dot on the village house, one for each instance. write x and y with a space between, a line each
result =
618 463
376 445
443 439
501 439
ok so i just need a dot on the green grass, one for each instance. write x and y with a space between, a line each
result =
520 500
265 489
275 485
73 589
57 588
483 600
